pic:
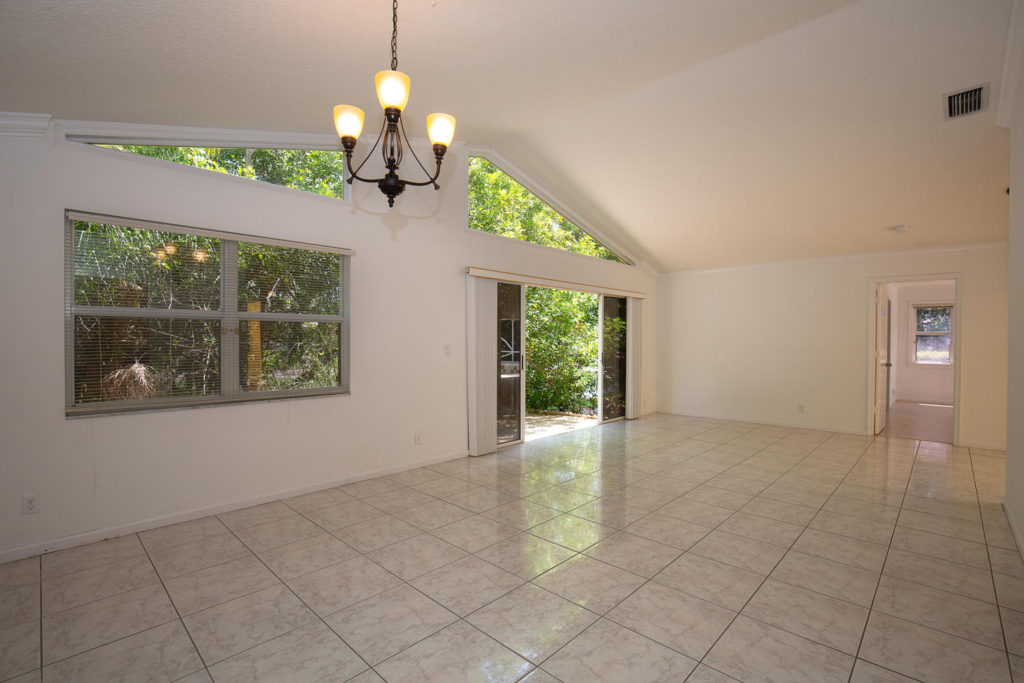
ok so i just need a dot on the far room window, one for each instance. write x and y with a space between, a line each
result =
933 327
161 316
501 206
320 171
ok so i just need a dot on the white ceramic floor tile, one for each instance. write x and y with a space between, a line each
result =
308 654
525 555
753 651
96 623
467 584
672 618
232 627
609 653
161 653
532 621
306 556
459 652
926 654
719 583
823 619
590 583
328 590
387 623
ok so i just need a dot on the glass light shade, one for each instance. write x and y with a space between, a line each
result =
392 89
348 120
441 129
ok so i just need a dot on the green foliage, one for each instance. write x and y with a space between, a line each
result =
312 170
934 318
561 326
561 350
136 356
500 205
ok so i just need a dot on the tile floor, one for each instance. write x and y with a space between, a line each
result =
665 549
912 420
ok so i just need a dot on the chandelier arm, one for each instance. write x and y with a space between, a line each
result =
430 181
355 173
425 171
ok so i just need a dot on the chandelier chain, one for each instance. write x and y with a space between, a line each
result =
394 35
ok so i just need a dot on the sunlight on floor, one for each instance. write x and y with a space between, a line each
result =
539 426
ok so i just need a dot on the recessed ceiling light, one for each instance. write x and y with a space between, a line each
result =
898 228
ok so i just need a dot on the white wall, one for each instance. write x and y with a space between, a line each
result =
1014 499
105 475
921 383
754 343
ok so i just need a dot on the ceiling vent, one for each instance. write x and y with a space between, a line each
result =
966 102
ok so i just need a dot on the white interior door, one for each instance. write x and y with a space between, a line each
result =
883 363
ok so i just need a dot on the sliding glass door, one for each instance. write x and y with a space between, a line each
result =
510 363
613 358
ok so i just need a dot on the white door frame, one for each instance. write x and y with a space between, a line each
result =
522 367
873 287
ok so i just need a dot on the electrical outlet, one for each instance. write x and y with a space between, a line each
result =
800 408
30 504
447 349
416 440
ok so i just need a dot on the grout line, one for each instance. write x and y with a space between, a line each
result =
175 608
620 463
881 573
992 573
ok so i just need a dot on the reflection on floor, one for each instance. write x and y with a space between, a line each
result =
540 426
664 549
927 421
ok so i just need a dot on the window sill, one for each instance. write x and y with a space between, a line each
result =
129 407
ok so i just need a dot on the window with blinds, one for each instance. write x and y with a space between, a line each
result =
161 316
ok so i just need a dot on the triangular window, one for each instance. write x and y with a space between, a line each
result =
500 205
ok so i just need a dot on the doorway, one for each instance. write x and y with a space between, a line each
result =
914 360
562 359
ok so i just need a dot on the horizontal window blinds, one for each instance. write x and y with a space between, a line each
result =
160 317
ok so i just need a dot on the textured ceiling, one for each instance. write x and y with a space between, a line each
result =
707 132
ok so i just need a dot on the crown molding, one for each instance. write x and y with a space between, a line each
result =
17 123
840 258
1011 65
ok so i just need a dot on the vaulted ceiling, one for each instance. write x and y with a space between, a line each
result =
703 132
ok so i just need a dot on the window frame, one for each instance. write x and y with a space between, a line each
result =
229 317
90 134
914 334
513 171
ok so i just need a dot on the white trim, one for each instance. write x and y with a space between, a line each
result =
1011 65
146 134
516 243
32 549
77 215
514 171
861 256
521 279
16 123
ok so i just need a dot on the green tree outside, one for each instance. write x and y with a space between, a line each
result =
561 326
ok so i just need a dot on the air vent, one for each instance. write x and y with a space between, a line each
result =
965 102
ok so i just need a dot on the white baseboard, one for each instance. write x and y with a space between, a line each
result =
32 549
775 423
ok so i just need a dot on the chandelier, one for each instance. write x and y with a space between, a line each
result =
393 94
